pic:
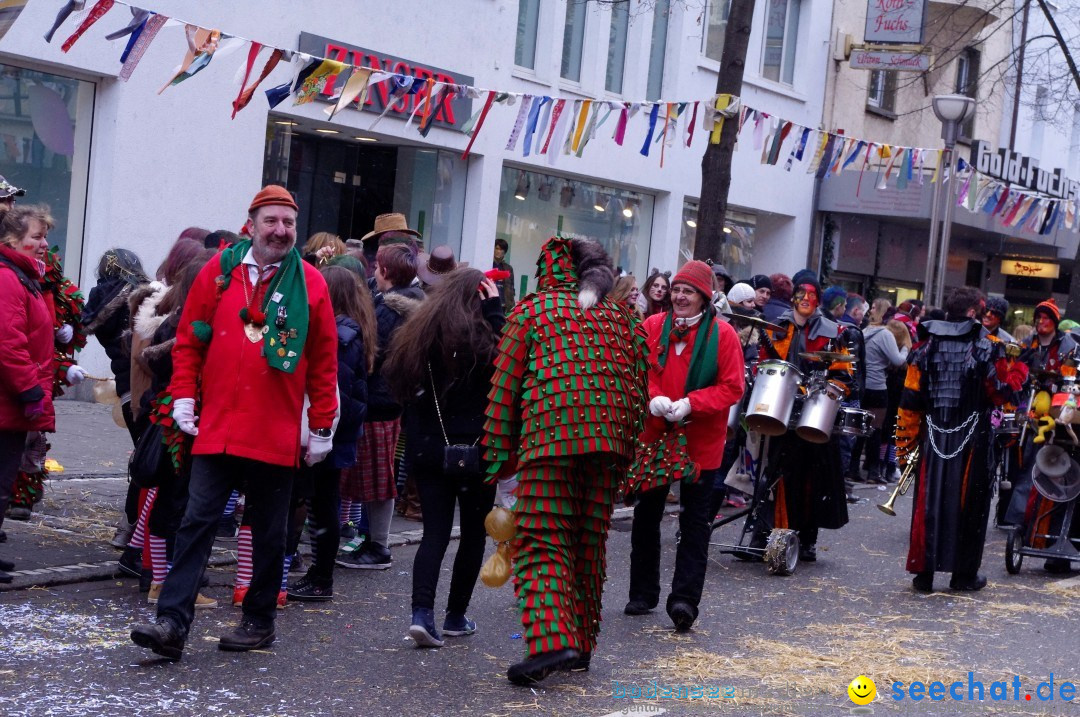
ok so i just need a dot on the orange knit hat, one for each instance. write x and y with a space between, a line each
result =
273 194
1051 308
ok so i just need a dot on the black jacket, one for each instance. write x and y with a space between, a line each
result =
107 316
392 307
352 392
462 403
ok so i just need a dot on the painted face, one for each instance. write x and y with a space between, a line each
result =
686 301
659 290
805 299
273 233
761 297
991 320
1044 325
35 243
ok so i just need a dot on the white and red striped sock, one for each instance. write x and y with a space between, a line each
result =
243 557
346 505
138 538
158 561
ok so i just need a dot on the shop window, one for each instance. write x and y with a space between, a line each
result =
616 59
658 50
781 36
45 148
573 39
881 94
528 20
967 84
737 253
533 207
716 17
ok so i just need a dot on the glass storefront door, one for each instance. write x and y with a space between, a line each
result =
533 207
341 185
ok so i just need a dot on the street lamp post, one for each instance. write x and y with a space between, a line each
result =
952 111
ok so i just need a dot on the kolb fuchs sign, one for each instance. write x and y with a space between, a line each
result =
895 22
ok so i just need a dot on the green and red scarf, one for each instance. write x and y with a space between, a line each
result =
706 348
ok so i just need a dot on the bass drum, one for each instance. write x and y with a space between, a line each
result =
775 387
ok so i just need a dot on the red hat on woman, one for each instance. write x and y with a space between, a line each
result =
697 274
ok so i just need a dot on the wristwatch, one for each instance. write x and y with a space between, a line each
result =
322 432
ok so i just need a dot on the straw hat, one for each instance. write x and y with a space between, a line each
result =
393 222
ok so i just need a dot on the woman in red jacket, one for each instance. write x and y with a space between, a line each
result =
26 343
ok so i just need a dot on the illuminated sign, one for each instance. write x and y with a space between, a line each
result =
1030 269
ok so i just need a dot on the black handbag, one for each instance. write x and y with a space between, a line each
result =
459 459
150 461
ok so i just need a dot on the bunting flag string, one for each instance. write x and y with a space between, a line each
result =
570 124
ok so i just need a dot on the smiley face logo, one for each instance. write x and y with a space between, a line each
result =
862 690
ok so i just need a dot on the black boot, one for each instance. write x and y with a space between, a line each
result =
248 636
163 637
532 670
682 615
924 581
130 562
582 664
967 583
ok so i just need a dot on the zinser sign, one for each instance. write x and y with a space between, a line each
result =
456 112
1015 168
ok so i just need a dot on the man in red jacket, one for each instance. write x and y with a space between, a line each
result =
256 334
695 376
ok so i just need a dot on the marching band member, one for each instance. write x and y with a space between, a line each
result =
952 379
810 493
1045 354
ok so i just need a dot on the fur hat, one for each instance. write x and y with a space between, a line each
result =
697 274
740 293
596 275
997 305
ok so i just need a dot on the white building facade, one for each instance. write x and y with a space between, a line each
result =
136 167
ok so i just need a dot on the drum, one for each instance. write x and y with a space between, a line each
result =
736 411
1006 425
775 387
854 422
819 412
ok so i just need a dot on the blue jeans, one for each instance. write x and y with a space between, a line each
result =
268 491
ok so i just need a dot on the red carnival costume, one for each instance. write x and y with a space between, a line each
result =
567 398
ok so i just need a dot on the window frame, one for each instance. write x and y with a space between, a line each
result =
534 6
654 76
725 14
789 43
571 5
967 84
620 23
886 105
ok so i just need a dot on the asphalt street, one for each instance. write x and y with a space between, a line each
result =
763 645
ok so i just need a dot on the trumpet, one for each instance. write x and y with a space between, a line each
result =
906 478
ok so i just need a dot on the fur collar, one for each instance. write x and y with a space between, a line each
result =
109 310
145 319
400 303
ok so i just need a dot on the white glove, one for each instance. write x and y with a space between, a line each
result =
65 334
75 374
659 406
318 448
679 410
183 411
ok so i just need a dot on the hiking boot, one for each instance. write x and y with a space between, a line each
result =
532 670
19 512
201 601
163 637
130 562
808 553
422 630
923 582
306 590
458 625
967 583
249 635
371 557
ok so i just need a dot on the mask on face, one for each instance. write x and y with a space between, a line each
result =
805 299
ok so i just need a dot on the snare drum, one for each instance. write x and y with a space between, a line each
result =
819 413
775 387
854 422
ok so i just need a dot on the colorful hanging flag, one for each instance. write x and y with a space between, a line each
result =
246 93
723 106
474 129
519 122
653 114
101 7
556 113
314 82
355 90
202 44
135 54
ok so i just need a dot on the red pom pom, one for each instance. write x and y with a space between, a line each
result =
497 274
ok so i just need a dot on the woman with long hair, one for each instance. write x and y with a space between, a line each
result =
441 364
626 293
321 247
657 293
320 484
885 354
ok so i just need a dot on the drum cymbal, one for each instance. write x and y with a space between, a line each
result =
752 321
828 356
